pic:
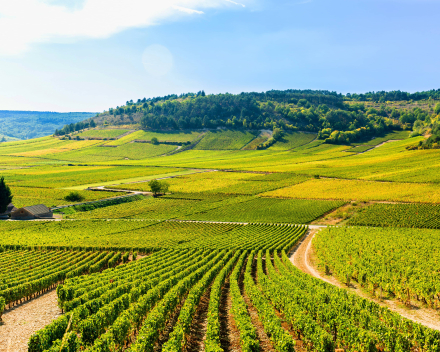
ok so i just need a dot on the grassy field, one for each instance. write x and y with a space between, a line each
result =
102 133
170 136
293 140
225 139
396 135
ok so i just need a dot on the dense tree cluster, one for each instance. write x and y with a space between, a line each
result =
73 127
395 95
335 117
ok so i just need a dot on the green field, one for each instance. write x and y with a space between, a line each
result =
399 215
293 140
142 235
102 133
225 139
233 183
269 210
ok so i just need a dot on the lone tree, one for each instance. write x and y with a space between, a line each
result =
5 195
158 187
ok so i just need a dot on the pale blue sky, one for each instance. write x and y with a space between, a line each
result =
89 55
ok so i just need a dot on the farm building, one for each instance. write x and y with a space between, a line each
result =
8 211
32 212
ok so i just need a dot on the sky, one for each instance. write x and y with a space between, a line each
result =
90 55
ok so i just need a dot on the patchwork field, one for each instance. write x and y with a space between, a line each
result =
208 265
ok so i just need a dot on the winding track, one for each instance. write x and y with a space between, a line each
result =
302 257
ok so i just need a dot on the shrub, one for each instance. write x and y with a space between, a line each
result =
74 196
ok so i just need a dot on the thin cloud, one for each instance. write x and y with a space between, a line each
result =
235 3
24 23
188 11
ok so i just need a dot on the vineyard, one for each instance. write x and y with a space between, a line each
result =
228 183
360 190
145 235
399 215
204 207
25 273
293 140
208 265
269 210
130 307
399 263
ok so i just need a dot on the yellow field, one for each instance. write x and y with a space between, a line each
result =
361 190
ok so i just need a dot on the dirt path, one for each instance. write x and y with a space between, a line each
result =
304 259
197 335
229 334
21 321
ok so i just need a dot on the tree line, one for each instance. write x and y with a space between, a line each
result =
335 117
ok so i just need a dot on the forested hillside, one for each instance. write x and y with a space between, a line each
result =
337 118
34 124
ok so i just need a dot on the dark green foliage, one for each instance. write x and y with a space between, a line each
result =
154 141
296 110
74 196
158 187
395 95
433 142
100 204
5 195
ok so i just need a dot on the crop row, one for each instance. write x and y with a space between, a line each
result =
32 272
270 210
147 236
325 317
396 262
109 317
129 306
399 215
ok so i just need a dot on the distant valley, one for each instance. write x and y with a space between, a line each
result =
34 124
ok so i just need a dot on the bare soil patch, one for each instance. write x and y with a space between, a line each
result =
265 343
23 320
342 214
230 336
199 325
